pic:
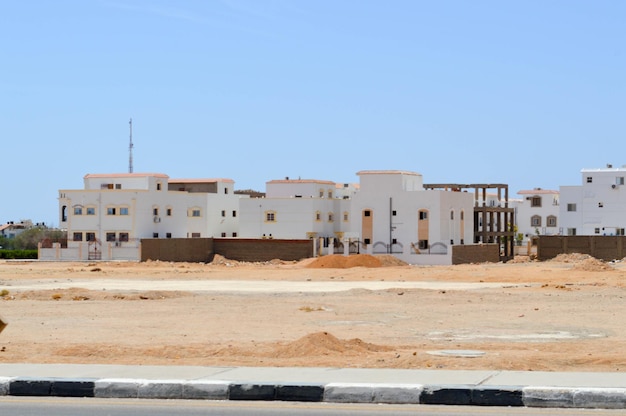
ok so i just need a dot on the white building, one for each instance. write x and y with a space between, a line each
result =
113 212
598 206
296 209
387 212
394 213
537 213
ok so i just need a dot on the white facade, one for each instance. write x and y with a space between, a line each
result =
537 213
113 212
387 212
598 206
295 209
393 213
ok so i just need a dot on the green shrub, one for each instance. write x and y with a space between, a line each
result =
18 254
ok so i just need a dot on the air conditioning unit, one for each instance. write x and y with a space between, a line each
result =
157 219
614 186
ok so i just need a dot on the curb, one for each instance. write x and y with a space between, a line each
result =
388 393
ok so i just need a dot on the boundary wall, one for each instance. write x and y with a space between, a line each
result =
601 247
204 249
475 253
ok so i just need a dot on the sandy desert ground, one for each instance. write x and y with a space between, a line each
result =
566 314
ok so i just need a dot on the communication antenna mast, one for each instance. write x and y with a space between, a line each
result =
130 148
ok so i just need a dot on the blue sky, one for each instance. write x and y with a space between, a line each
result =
526 93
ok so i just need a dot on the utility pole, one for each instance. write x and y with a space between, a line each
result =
130 148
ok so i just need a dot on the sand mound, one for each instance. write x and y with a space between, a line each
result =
571 257
592 265
339 261
324 343
583 262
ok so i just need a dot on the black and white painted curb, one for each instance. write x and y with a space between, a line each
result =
467 395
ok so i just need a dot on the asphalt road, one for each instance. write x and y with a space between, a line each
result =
55 406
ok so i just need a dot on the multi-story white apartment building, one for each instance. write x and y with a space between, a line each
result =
296 209
114 211
387 212
598 206
537 213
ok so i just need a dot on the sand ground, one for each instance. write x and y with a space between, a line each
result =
567 314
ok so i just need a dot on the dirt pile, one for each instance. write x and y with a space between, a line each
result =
339 261
324 343
583 262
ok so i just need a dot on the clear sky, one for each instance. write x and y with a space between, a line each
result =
526 93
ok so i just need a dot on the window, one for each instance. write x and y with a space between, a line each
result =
77 237
195 235
331 217
155 235
270 216
535 221
423 215
394 241
225 191
589 179
195 213
367 241
168 235
64 213
168 212
223 235
367 213
321 193
223 213
158 186
535 201
123 237
451 215
155 211
118 186
110 236
596 230
571 208
551 221
462 216
234 213
91 211
619 180
110 211
318 216
90 236
124 211
330 194
422 244
345 216
571 231
393 213
619 231
234 234
600 204
78 210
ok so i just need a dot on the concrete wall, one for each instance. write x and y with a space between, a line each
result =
204 249
475 253
601 247
177 249
263 250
